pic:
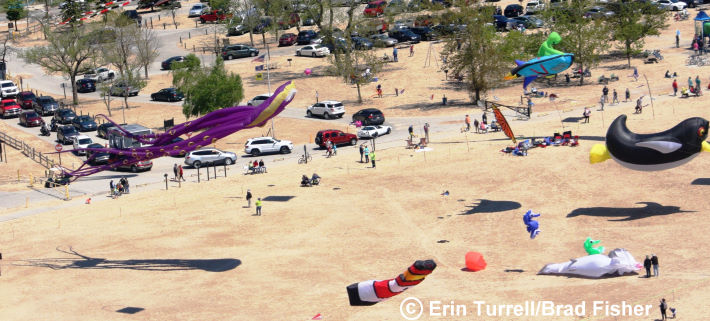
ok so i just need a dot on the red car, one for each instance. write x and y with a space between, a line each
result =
287 39
9 107
30 119
338 137
26 99
375 8
214 16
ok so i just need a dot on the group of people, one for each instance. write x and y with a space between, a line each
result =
177 172
605 96
257 167
482 126
651 261
685 92
120 188
698 44
368 154
258 203
331 149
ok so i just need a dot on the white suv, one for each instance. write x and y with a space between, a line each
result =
81 141
9 89
256 101
328 109
198 157
261 145
672 5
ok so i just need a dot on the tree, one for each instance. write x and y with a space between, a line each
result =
183 71
586 38
200 91
147 45
72 12
15 10
65 53
632 22
243 13
479 54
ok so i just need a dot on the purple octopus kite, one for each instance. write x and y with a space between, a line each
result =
208 129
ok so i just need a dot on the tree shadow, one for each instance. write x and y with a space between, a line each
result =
628 214
572 119
488 206
701 181
163 265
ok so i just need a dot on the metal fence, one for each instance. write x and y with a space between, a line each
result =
28 150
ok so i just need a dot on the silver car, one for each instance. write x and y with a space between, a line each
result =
382 40
211 156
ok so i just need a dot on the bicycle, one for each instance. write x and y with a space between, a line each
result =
305 159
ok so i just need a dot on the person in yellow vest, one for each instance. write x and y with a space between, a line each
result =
372 158
258 207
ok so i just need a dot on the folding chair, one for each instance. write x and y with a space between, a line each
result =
558 139
422 142
566 137
574 142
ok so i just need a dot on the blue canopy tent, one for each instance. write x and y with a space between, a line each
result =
702 24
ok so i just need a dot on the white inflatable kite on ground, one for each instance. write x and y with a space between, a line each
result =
619 261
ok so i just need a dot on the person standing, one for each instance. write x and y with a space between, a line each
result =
175 171
180 173
690 82
126 186
372 158
654 262
586 114
426 132
411 50
335 149
605 94
697 83
677 38
601 102
675 87
411 132
628 95
647 266
475 125
394 54
467 120
316 96
367 154
258 207
695 47
111 186
615 99
664 307
248 198
484 118
362 151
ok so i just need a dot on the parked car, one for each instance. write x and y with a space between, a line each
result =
375 8
133 14
327 109
264 24
340 44
100 74
84 123
287 39
81 141
305 36
501 23
144 165
513 10
102 130
99 158
425 33
9 108
85 85
214 16
264 145
167 94
9 89
369 116
337 137
373 131
123 89
197 10
58 180
31 119
26 99
292 21
237 30
361 43
230 52
46 105
382 40
65 134
534 6
598 12
64 116
529 22
672 5
258 99
167 64
313 50
209 156
405 35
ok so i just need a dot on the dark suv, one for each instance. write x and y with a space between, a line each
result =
426 33
64 116
403 35
133 14
238 51
85 85
513 10
338 137
369 116
305 37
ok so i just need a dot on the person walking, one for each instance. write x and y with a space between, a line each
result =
475 125
628 95
372 158
248 198
605 94
647 266
675 87
258 207
175 172
484 118
180 173
690 82
654 262
601 102
111 186
411 50
126 186
394 53
362 151
426 132
411 132
587 112
697 82
467 120
335 149
677 38
615 97
367 154
664 307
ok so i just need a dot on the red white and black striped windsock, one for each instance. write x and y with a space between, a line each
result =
373 291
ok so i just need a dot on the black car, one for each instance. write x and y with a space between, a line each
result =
65 133
100 158
513 10
102 130
369 116
426 33
237 30
305 36
84 123
168 63
46 105
133 14
361 43
167 94
64 116
86 85
403 35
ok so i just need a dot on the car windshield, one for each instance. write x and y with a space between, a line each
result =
368 128
46 100
372 5
31 115
68 113
318 46
8 84
69 129
85 141
28 96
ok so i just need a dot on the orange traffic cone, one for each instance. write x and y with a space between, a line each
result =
88 201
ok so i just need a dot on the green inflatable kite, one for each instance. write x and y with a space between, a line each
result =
589 246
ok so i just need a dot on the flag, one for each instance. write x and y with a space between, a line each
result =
503 123
259 59
318 317
401 91
259 68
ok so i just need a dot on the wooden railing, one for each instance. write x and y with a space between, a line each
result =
29 151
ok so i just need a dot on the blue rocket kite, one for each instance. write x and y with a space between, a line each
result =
550 61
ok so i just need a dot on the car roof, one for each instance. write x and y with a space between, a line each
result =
82 136
5 81
370 110
204 149
263 137
331 102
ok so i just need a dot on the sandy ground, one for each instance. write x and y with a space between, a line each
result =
196 253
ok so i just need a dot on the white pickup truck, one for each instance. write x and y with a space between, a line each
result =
534 6
100 74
